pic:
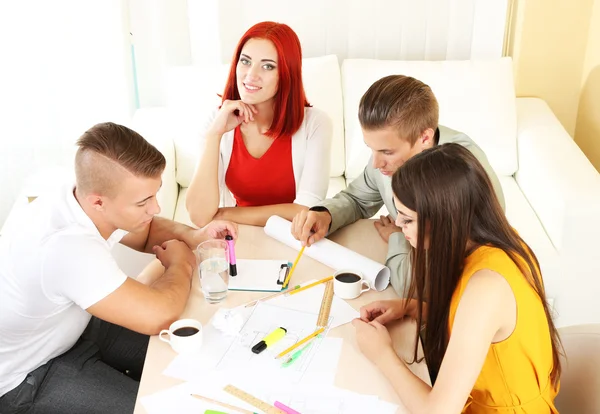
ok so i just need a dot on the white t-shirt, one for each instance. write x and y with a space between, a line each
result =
54 264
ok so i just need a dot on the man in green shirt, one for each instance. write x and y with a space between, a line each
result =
399 119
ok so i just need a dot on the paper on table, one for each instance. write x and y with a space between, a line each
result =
311 400
309 300
221 355
331 254
257 275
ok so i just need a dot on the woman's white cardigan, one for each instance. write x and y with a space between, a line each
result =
311 158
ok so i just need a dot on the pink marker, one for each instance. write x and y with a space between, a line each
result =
285 408
232 264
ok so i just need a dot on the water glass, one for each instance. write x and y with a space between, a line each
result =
213 269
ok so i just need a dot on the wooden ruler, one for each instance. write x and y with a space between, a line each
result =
325 310
252 400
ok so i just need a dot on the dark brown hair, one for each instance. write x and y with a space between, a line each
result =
117 144
401 102
455 202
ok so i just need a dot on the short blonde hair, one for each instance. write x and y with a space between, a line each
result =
401 102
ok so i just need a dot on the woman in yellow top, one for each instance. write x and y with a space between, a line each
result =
489 342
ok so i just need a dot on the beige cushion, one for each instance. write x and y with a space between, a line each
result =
580 380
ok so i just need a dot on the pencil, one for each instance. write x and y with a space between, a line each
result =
222 404
318 282
289 276
274 295
297 344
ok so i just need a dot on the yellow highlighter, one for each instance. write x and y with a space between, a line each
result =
269 340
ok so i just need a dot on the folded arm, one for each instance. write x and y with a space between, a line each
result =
362 199
480 317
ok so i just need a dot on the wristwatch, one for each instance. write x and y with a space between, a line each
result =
319 209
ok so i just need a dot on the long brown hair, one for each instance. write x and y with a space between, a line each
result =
455 202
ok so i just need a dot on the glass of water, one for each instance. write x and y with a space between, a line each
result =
213 269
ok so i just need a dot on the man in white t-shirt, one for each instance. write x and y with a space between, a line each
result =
73 327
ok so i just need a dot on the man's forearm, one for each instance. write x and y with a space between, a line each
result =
162 230
362 199
399 261
258 216
174 286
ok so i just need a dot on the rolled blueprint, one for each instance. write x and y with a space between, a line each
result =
331 254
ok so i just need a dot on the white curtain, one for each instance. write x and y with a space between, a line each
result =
66 65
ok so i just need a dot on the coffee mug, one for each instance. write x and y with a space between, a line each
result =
348 284
184 336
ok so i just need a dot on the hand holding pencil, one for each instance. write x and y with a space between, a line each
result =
310 226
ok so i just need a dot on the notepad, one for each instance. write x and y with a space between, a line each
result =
259 275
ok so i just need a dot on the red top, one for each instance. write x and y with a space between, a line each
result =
261 181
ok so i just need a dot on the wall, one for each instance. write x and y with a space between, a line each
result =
65 67
548 42
587 130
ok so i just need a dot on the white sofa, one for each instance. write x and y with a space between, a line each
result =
552 192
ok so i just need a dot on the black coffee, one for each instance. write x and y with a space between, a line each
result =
348 277
186 331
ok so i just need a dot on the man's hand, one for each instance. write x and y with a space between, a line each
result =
310 226
385 226
374 341
383 311
216 229
175 252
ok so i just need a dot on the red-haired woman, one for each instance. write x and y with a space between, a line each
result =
265 146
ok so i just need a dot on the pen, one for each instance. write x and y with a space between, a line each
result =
222 404
290 360
289 276
232 263
318 282
297 344
269 340
285 408
274 295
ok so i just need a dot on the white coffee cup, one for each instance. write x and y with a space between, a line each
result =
184 336
348 284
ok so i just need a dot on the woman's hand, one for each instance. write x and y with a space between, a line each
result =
383 311
374 341
231 114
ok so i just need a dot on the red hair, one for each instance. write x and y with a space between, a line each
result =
290 99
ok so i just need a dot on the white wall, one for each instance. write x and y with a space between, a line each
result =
66 65
169 33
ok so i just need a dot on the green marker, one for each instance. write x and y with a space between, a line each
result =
290 360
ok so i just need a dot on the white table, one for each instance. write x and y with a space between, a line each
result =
355 372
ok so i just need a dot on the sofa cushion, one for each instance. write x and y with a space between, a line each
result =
475 97
192 96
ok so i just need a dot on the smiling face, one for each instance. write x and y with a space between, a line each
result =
257 75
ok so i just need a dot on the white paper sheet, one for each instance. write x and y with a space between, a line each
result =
311 400
232 357
310 300
257 275
331 254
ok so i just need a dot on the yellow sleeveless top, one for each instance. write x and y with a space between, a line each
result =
515 377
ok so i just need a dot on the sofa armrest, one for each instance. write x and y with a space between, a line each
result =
155 125
561 185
